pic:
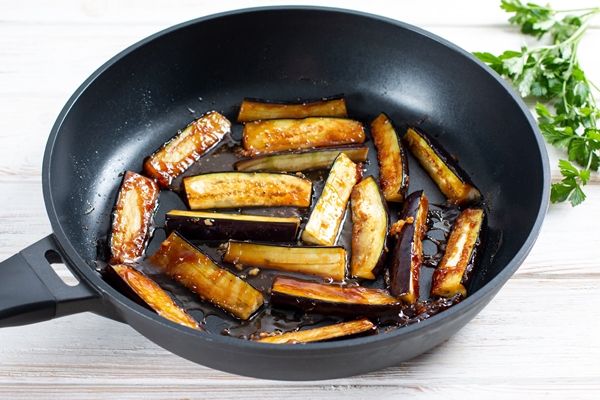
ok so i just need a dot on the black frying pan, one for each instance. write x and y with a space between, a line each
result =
140 98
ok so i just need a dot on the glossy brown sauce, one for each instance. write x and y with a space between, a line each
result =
269 319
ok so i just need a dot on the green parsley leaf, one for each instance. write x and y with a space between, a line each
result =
552 74
559 138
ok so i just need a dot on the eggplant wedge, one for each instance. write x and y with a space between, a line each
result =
393 161
326 217
452 180
255 109
319 334
451 275
246 189
177 155
328 262
332 299
370 222
136 203
262 137
302 160
407 253
199 273
146 292
201 225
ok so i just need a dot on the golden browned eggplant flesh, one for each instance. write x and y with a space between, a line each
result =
290 244
326 217
246 189
370 225
392 157
177 155
132 218
328 332
442 167
255 109
263 137
195 270
459 257
327 262
150 294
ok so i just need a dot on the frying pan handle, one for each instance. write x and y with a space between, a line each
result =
30 290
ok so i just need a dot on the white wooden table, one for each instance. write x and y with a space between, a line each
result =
538 337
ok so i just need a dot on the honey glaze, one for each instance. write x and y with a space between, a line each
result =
415 313
440 220
268 319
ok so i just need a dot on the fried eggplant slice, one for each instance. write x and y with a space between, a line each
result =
332 299
322 333
393 161
246 189
177 155
132 218
370 222
255 109
326 217
328 262
302 160
407 254
452 180
145 291
451 275
262 137
201 225
199 273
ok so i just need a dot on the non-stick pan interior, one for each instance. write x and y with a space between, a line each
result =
139 100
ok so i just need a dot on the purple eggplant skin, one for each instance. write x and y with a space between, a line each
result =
207 226
406 257
296 294
465 193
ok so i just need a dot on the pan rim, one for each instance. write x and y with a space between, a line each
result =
83 269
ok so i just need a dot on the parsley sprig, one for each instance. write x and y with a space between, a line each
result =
566 108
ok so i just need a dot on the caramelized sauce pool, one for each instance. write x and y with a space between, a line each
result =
267 318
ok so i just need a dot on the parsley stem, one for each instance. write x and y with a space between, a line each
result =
592 10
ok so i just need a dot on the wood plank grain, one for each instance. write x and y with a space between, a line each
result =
537 338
